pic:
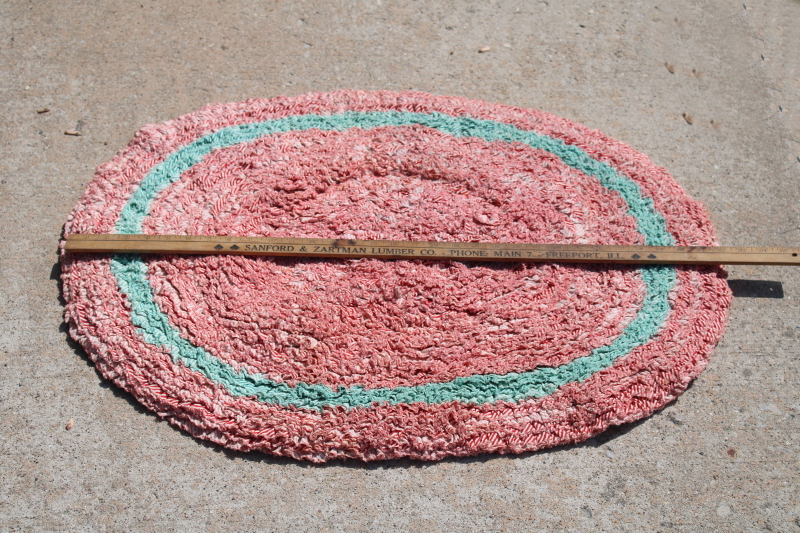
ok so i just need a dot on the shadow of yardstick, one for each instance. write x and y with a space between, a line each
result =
752 288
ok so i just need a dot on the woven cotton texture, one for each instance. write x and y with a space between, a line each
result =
373 359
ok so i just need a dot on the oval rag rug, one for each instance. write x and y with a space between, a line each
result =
372 359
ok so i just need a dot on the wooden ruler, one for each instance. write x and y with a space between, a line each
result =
463 251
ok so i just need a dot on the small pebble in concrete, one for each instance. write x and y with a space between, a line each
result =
687 118
69 424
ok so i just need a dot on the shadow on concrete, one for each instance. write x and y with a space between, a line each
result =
753 288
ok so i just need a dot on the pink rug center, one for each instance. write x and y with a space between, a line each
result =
389 323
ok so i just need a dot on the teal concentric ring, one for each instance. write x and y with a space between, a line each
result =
154 327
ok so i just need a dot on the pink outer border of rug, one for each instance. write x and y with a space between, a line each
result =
633 387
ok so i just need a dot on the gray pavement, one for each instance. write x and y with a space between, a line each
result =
724 457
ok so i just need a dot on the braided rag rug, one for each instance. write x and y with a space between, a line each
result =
372 359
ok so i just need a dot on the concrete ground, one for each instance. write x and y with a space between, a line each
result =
724 457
